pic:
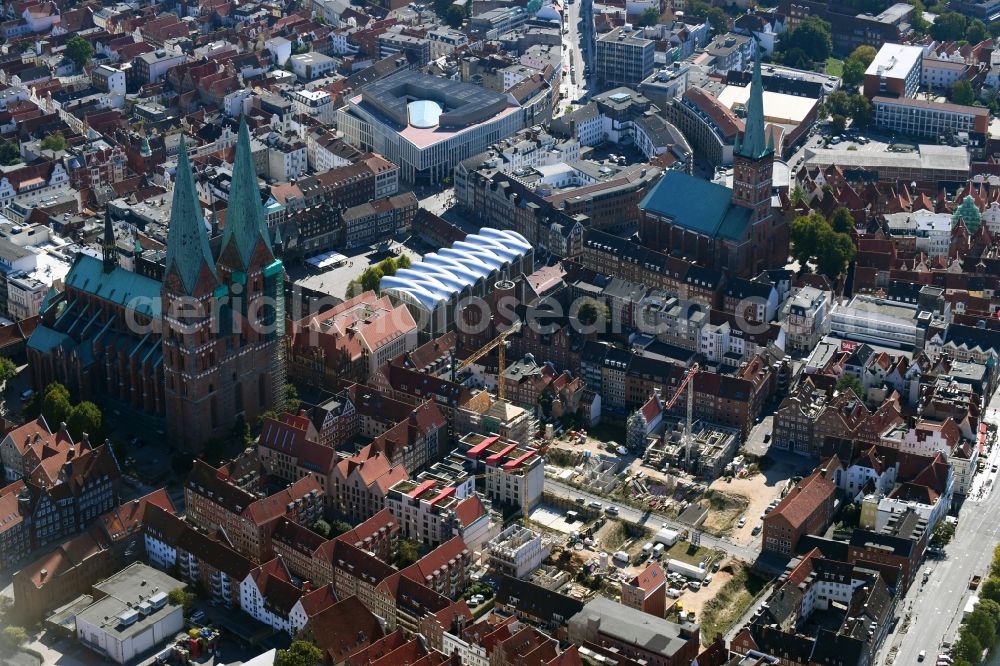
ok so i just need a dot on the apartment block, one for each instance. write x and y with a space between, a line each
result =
623 58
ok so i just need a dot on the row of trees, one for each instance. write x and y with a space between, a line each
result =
828 244
979 630
842 106
955 27
371 276
55 405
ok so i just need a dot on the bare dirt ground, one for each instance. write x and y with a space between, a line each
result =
725 508
758 490
695 601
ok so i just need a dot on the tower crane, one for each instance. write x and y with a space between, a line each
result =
500 344
689 384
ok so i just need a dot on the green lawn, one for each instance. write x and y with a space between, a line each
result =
834 67
685 552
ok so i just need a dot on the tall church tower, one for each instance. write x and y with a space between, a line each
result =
223 350
753 165
109 247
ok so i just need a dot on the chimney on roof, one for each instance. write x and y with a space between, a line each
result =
62 428
42 575
70 453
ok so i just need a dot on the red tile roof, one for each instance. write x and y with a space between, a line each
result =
344 628
649 578
803 500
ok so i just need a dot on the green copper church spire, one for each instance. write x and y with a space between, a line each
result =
754 144
187 241
245 215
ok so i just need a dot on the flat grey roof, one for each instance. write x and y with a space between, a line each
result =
463 104
137 579
926 157
632 626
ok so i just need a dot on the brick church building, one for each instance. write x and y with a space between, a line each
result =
200 348
733 229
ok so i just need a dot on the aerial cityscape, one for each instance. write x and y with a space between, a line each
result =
500 333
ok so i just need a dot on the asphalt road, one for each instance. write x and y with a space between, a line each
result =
653 521
935 609
576 51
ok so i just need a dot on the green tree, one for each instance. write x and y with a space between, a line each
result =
995 564
834 252
240 432
86 417
322 528
943 533
991 609
798 195
454 16
949 27
917 21
962 93
861 110
717 19
292 402
851 382
56 405
857 63
805 236
812 36
55 141
842 221
403 261
995 29
990 589
7 369
299 653
406 553
9 153
795 57
14 637
837 103
388 266
79 51
370 278
854 73
838 123
181 597
976 32
649 16
983 626
591 311
339 527
968 646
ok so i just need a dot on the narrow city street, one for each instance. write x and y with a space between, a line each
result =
931 613
576 52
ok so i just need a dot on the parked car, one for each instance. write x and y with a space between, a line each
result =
597 506
756 530
741 522
921 655
611 510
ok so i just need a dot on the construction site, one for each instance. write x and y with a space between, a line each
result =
705 451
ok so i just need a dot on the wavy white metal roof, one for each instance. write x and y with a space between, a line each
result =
446 273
